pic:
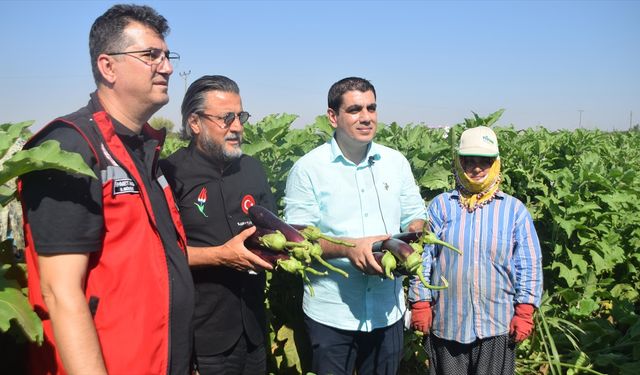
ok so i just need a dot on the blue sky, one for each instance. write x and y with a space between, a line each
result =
431 62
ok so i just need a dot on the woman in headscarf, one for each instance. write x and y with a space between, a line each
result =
495 285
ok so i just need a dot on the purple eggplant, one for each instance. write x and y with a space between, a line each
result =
261 217
267 255
409 259
297 245
408 237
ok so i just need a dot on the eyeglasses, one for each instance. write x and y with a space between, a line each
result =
151 56
228 118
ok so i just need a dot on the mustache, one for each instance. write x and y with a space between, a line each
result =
233 137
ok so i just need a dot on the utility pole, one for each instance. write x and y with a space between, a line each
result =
630 119
580 120
184 75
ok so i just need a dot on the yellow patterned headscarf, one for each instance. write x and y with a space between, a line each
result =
476 194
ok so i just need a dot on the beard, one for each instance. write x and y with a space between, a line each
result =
217 150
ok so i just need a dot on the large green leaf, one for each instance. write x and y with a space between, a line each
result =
47 155
435 178
624 292
569 274
14 307
286 335
254 148
7 194
323 125
577 261
9 133
568 225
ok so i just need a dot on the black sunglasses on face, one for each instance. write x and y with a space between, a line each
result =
229 117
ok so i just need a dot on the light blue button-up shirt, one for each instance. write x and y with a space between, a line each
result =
343 199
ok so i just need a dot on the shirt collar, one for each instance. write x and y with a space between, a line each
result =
455 194
373 152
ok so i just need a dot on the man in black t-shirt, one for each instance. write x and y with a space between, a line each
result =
214 185
106 260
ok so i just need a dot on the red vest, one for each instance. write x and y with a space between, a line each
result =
128 277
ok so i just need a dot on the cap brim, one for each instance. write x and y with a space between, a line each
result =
478 153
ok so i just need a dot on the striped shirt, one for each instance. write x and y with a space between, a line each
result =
500 266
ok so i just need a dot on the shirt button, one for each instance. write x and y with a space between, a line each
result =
366 215
368 289
362 190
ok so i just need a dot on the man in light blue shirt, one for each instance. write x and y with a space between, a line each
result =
360 191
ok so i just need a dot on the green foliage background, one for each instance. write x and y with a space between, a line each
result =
582 188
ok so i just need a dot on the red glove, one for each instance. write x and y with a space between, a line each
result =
421 316
522 322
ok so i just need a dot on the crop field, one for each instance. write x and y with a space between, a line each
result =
582 188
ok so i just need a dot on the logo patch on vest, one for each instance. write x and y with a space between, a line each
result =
124 186
202 199
247 202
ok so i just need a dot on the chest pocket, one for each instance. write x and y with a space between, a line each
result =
500 244
121 182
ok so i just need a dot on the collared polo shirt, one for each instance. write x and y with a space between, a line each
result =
343 199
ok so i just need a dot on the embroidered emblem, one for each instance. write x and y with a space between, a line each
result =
487 139
247 202
124 186
202 199
386 186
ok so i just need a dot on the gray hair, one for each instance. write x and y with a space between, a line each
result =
194 99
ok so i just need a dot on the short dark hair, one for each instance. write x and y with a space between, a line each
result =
347 84
106 35
194 98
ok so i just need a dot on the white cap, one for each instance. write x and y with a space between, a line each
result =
478 141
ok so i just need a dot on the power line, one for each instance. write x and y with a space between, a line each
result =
580 119
185 75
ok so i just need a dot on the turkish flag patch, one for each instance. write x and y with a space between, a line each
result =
247 202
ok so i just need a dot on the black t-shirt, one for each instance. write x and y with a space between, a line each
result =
212 201
65 216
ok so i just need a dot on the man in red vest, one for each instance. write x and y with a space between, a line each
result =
106 260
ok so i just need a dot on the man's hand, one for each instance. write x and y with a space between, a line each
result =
522 322
421 316
235 255
232 254
416 225
362 257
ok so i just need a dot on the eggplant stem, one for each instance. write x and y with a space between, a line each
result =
434 287
445 244
308 282
292 245
314 271
389 272
330 266
337 241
